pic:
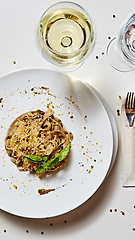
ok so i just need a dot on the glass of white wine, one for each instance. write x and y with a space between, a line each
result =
65 35
121 49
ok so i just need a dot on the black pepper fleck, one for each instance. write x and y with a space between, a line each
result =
118 112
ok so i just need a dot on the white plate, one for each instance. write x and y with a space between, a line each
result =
81 113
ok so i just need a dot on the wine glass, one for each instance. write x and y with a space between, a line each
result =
65 35
121 50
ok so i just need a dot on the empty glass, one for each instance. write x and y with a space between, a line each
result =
121 50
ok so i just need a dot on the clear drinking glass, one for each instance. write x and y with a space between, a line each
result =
65 35
121 50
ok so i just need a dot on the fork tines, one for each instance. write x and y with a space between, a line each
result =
130 101
130 107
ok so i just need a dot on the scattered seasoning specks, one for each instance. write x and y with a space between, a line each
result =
5 230
85 118
115 210
15 186
96 57
114 16
14 62
27 231
1 99
45 191
42 233
122 212
74 104
65 221
118 112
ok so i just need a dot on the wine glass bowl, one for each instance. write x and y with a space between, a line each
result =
65 35
121 50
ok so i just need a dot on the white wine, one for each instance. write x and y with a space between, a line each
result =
65 30
66 36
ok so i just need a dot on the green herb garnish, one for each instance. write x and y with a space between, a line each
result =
51 163
33 158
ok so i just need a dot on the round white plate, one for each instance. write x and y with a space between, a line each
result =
83 114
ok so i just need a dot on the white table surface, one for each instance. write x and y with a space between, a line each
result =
93 219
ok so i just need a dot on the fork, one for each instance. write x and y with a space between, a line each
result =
130 107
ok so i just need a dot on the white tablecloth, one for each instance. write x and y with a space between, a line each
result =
110 213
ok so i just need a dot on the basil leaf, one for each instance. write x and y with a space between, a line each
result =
40 169
45 158
50 164
44 164
53 164
61 156
33 158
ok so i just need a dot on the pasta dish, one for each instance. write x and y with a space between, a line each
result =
37 141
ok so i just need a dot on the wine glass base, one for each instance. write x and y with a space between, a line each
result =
66 69
117 62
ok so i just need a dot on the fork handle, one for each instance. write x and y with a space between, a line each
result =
130 119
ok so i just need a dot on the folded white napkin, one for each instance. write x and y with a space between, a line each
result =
128 147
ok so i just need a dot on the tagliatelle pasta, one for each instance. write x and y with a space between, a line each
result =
36 133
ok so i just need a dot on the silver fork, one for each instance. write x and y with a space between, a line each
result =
130 107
